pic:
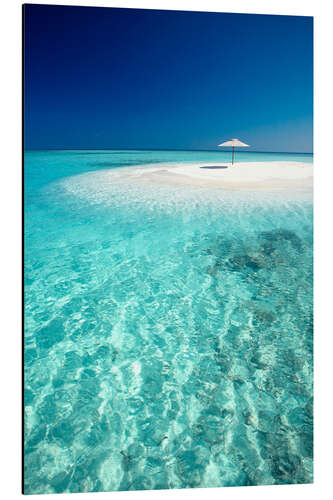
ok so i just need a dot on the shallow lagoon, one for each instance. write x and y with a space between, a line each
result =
168 334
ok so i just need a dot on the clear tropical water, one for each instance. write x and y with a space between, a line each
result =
168 331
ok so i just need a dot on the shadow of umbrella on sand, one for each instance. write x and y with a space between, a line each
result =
234 143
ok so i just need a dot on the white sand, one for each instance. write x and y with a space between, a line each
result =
273 175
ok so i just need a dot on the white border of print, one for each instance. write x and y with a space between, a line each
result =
10 375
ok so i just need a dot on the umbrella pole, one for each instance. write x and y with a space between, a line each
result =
232 155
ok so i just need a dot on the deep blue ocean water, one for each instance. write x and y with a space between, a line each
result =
168 330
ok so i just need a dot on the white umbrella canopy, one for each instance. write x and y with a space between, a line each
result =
234 143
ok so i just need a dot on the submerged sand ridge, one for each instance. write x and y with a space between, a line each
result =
185 184
250 175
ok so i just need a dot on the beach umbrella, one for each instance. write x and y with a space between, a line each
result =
232 144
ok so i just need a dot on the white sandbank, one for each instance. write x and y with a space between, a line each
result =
275 175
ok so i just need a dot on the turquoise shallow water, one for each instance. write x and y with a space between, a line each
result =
168 331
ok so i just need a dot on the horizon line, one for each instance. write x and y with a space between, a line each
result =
167 149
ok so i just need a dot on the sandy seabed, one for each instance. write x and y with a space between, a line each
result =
169 324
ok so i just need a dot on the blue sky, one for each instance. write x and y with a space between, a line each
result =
145 79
